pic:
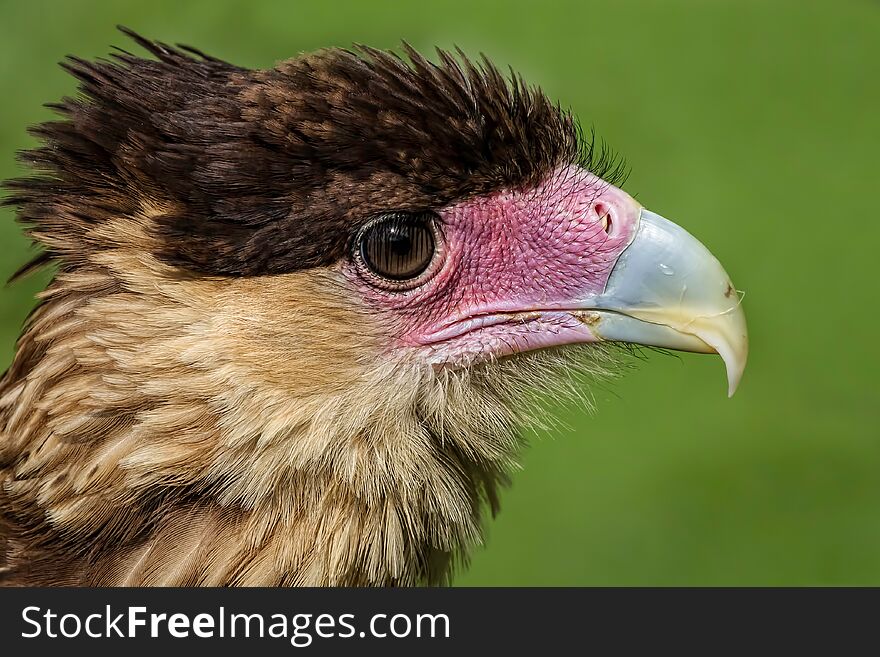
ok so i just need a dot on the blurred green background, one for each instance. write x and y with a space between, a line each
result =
756 125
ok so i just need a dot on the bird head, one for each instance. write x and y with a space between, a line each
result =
323 291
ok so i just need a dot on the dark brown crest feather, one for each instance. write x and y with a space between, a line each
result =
36 263
271 171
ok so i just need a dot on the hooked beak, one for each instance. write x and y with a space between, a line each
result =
667 290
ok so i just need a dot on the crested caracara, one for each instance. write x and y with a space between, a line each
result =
298 314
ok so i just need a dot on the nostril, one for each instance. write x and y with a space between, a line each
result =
603 212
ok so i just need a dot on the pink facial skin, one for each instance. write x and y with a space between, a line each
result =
508 269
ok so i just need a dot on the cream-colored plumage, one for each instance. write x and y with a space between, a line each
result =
184 431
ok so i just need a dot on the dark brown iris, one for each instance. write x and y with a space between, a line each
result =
398 246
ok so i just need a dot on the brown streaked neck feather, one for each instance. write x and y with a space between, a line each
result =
156 430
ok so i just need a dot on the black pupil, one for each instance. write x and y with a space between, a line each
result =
399 247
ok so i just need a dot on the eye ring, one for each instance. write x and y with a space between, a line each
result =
399 251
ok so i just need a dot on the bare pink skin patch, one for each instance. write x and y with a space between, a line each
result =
512 270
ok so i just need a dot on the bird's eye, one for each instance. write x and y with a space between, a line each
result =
398 247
